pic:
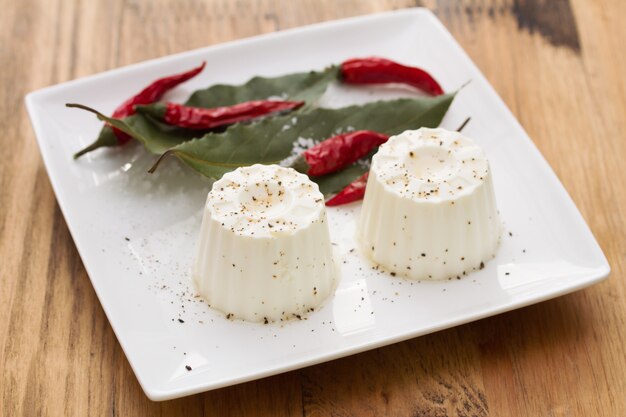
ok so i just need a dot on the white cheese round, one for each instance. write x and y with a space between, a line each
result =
264 252
429 210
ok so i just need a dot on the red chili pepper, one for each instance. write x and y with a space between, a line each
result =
338 152
352 192
204 118
383 71
150 94
110 136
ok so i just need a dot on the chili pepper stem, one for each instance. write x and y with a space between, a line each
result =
460 128
158 161
87 149
99 115
465 84
79 106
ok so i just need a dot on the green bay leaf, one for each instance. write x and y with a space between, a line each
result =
271 140
158 137
303 86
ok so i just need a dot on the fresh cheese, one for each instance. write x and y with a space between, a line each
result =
264 252
429 210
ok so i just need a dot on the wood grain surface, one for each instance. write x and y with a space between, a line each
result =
559 65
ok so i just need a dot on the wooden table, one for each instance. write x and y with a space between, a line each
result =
560 66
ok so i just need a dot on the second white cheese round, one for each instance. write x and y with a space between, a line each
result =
264 252
429 210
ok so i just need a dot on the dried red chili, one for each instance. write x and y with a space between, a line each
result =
152 93
338 152
375 70
148 95
208 118
352 192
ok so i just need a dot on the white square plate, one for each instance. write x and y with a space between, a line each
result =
137 233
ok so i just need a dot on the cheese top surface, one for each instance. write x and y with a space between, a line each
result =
264 201
430 165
